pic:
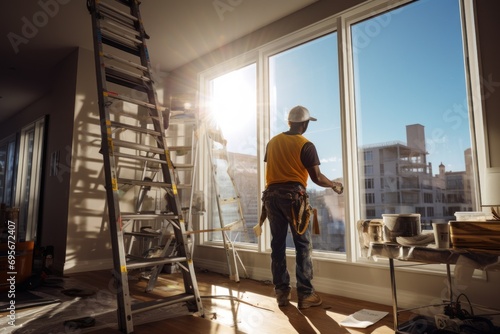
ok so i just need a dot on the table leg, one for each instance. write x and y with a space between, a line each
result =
450 291
394 296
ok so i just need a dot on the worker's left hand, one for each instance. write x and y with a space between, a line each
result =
338 187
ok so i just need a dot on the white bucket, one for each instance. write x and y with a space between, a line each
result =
401 225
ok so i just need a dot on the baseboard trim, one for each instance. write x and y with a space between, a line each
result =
71 267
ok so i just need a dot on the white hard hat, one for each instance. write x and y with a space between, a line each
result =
299 114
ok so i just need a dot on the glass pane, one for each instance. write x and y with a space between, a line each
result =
7 155
25 204
234 129
307 75
413 133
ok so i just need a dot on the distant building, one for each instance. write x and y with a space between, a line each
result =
398 179
395 177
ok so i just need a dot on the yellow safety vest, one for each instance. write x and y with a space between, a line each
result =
283 160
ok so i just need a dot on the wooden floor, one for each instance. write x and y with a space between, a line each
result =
251 309
248 306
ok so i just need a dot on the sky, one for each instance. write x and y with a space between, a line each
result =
408 68
412 71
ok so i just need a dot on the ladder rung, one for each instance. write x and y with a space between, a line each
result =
139 157
117 11
129 82
121 46
115 20
135 146
228 200
126 78
110 33
148 216
134 128
115 40
131 100
183 120
144 234
143 263
154 304
144 183
124 61
147 234
127 28
180 148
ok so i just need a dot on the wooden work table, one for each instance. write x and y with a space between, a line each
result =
482 259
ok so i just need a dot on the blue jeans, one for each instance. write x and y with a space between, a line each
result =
279 212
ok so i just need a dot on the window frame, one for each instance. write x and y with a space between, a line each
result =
341 23
203 174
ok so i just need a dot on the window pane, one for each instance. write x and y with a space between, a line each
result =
7 161
307 75
234 112
411 111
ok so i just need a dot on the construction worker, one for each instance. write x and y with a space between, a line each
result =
290 158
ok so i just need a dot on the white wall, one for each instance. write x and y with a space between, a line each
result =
88 238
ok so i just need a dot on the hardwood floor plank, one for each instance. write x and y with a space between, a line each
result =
245 307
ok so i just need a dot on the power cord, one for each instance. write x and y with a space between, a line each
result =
455 310
470 324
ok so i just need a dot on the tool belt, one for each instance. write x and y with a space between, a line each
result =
300 209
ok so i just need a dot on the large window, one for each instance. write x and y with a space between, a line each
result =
307 75
7 167
411 105
232 129
389 88
20 176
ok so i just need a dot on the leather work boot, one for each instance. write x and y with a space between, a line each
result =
283 297
308 301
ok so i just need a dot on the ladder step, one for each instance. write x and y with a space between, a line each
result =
120 38
148 216
229 200
131 100
127 48
144 183
148 234
143 263
135 128
126 78
154 304
139 157
140 147
124 61
144 234
180 148
116 12
128 28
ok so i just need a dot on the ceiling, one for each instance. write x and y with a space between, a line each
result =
37 34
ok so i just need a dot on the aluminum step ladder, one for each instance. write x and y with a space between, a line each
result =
133 132
227 198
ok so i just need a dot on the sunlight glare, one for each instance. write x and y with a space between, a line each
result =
233 103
